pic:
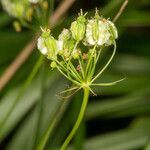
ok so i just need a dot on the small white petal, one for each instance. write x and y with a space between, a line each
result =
44 51
115 32
41 46
64 33
60 44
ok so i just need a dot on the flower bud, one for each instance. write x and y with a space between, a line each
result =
69 45
97 32
78 28
17 26
51 45
41 46
47 45
45 33
53 64
100 31
113 33
65 44
29 13
19 10
65 35
113 29
66 55
75 54
45 5
62 39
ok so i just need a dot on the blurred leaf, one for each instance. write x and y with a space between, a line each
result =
132 104
26 102
119 140
137 18
50 106
9 45
5 19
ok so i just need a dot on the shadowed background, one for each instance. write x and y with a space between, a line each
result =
118 118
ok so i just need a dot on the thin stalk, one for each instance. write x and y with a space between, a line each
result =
110 59
94 65
68 90
76 44
66 97
79 119
44 140
68 71
74 75
89 61
91 66
58 114
81 66
98 55
107 84
75 71
75 82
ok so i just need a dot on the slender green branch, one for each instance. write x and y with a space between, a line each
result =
99 53
81 66
114 51
76 75
66 97
70 89
91 66
75 71
89 61
75 82
94 65
53 123
79 119
107 84
44 139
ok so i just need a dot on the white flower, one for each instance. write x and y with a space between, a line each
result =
41 46
65 35
78 28
7 6
60 45
16 8
113 29
97 32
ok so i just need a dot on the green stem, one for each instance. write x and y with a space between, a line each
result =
58 114
107 84
79 119
44 140
89 61
94 66
81 66
74 81
103 69
74 70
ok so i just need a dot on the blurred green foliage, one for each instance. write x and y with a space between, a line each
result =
30 103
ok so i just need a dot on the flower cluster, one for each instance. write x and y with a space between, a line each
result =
76 51
18 9
24 10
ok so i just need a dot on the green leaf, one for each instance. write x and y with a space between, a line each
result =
129 105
